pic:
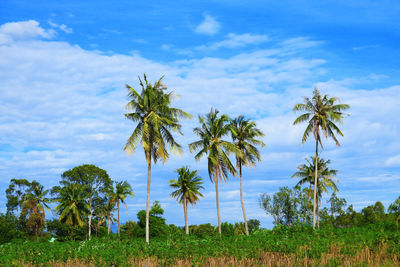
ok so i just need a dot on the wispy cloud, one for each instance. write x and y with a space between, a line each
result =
61 27
357 48
208 26
235 41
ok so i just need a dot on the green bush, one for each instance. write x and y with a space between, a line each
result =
8 228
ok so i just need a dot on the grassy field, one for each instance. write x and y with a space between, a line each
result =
297 246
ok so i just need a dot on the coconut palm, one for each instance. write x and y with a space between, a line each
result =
325 178
187 190
72 206
122 191
321 113
35 202
155 120
245 137
213 128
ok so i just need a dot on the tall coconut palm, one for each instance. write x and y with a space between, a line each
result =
122 191
72 206
245 136
155 120
325 178
213 128
321 113
187 190
35 202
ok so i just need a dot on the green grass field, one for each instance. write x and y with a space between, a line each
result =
297 246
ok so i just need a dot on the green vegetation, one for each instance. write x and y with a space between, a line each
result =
369 245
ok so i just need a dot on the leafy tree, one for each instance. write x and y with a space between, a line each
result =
187 190
213 128
304 203
9 228
282 206
374 213
34 204
245 137
155 120
95 182
122 191
395 208
157 223
253 225
72 207
15 194
202 230
321 113
336 205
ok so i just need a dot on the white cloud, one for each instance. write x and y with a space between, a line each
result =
393 161
235 41
23 30
61 27
208 26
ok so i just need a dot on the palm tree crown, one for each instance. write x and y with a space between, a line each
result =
155 120
326 176
73 208
211 132
187 186
322 113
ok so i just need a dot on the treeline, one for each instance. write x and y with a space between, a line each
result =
290 207
87 202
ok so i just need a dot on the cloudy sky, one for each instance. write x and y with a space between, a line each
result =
64 66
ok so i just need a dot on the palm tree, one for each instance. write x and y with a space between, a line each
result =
213 128
122 190
322 113
155 120
35 202
187 190
325 178
72 206
244 135
106 210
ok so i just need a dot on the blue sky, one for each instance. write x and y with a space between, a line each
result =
64 64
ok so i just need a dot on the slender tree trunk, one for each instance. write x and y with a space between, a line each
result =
241 199
148 198
319 203
90 217
315 182
217 200
186 217
119 226
108 225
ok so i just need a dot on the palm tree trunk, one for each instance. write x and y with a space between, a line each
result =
90 217
315 182
108 225
319 203
148 198
241 199
186 217
119 226
217 200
